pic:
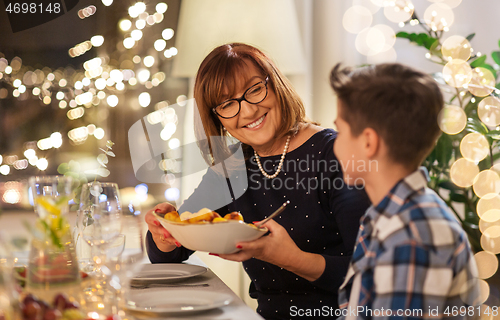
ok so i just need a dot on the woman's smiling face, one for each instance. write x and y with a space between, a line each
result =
255 124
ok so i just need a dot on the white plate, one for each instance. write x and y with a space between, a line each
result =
168 271
176 301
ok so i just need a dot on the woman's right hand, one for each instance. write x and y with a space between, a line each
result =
162 238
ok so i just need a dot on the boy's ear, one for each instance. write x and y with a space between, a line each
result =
371 142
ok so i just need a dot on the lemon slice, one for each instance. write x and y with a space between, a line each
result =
49 207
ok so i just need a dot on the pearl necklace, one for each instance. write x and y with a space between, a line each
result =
269 176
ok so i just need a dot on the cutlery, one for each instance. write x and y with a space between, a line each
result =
166 285
274 214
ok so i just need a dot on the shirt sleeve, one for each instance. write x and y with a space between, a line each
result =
208 194
157 256
411 278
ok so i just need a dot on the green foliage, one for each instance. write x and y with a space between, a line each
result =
420 39
447 149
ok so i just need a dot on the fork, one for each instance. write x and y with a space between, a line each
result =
166 285
274 214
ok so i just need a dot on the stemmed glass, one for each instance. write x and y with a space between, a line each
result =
99 217
122 267
100 223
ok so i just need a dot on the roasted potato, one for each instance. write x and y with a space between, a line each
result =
203 216
172 216
235 215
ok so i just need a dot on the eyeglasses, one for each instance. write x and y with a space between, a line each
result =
253 95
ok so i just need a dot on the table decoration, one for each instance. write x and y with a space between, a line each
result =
52 263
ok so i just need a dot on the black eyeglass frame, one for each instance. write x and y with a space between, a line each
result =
242 98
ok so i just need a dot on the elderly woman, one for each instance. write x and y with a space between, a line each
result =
298 267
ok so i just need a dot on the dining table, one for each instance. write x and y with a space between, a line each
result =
206 284
202 284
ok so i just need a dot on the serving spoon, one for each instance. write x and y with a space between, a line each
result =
274 214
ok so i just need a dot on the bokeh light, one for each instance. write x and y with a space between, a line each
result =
181 100
463 172
174 143
99 133
484 291
161 7
371 41
112 100
168 131
487 264
143 75
128 43
144 99
167 34
439 16
160 44
136 35
490 244
456 47
450 3
125 24
357 18
452 119
4 169
97 41
488 111
492 231
149 61
482 82
457 73
398 11
42 164
474 147
11 196
172 194
140 24
486 184
484 225
487 206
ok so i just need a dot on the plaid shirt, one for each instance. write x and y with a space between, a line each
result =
412 257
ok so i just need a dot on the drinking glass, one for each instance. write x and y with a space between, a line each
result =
99 223
52 264
122 267
100 208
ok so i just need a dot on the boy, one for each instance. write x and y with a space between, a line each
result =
412 259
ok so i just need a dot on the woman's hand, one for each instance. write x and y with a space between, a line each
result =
279 249
162 238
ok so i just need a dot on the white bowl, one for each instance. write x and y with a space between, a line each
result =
215 237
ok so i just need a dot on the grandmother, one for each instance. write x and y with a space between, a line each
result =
300 264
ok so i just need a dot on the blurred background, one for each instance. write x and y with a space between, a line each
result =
69 85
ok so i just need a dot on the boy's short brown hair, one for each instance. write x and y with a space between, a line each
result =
400 103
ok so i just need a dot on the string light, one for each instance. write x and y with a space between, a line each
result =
89 86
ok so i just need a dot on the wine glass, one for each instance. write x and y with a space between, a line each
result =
123 266
100 217
100 223
100 213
